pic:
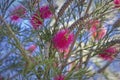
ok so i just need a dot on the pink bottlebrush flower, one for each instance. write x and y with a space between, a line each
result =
62 39
18 13
41 14
45 12
36 21
14 18
117 3
93 23
101 33
98 33
108 54
32 48
59 77
93 29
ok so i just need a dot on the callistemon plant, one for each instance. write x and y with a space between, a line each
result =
17 13
58 39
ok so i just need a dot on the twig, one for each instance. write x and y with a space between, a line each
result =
64 7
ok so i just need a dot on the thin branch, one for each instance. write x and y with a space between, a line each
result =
22 50
90 2
64 7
